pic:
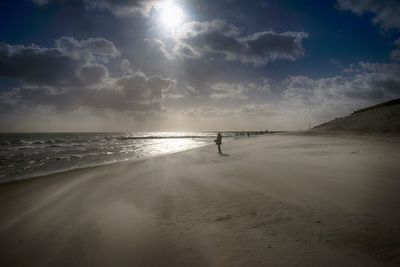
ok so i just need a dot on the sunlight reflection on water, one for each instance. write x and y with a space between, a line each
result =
29 155
158 147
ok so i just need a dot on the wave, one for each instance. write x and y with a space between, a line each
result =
32 155
59 145
164 137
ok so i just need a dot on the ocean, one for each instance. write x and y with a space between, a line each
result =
27 155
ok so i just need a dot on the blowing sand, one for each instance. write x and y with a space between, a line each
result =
277 200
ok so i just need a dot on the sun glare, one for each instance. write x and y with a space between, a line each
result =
171 15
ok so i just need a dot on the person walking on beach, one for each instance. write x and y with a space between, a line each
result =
218 142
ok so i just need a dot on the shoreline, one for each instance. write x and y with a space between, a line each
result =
38 176
272 200
126 161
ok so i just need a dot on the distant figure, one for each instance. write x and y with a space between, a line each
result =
218 142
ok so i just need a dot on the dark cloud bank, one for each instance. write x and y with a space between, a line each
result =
73 74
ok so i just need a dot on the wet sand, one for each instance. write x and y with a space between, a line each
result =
276 200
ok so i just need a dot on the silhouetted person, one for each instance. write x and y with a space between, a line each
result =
218 142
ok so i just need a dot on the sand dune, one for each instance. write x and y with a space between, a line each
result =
277 200
380 119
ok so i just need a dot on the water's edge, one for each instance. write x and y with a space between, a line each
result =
127 161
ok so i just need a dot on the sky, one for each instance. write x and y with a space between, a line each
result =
186 65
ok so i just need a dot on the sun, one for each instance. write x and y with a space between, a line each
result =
171 15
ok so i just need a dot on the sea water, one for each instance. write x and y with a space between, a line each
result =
26 155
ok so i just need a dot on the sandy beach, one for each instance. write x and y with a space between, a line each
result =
276 200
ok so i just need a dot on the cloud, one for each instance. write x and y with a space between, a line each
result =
181 50
226 90
218 38
36 64
92 73
90 49
209 112
258 110
191 90
72 74
41 2
133 92
122 7
116 7
126 66
222 90
140 88
246 110
159 46
395 54
69 63
329 97
385 12
317 100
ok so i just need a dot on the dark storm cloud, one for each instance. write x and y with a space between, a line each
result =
36 64
385 12
70 62
218 38
73 74
134 92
